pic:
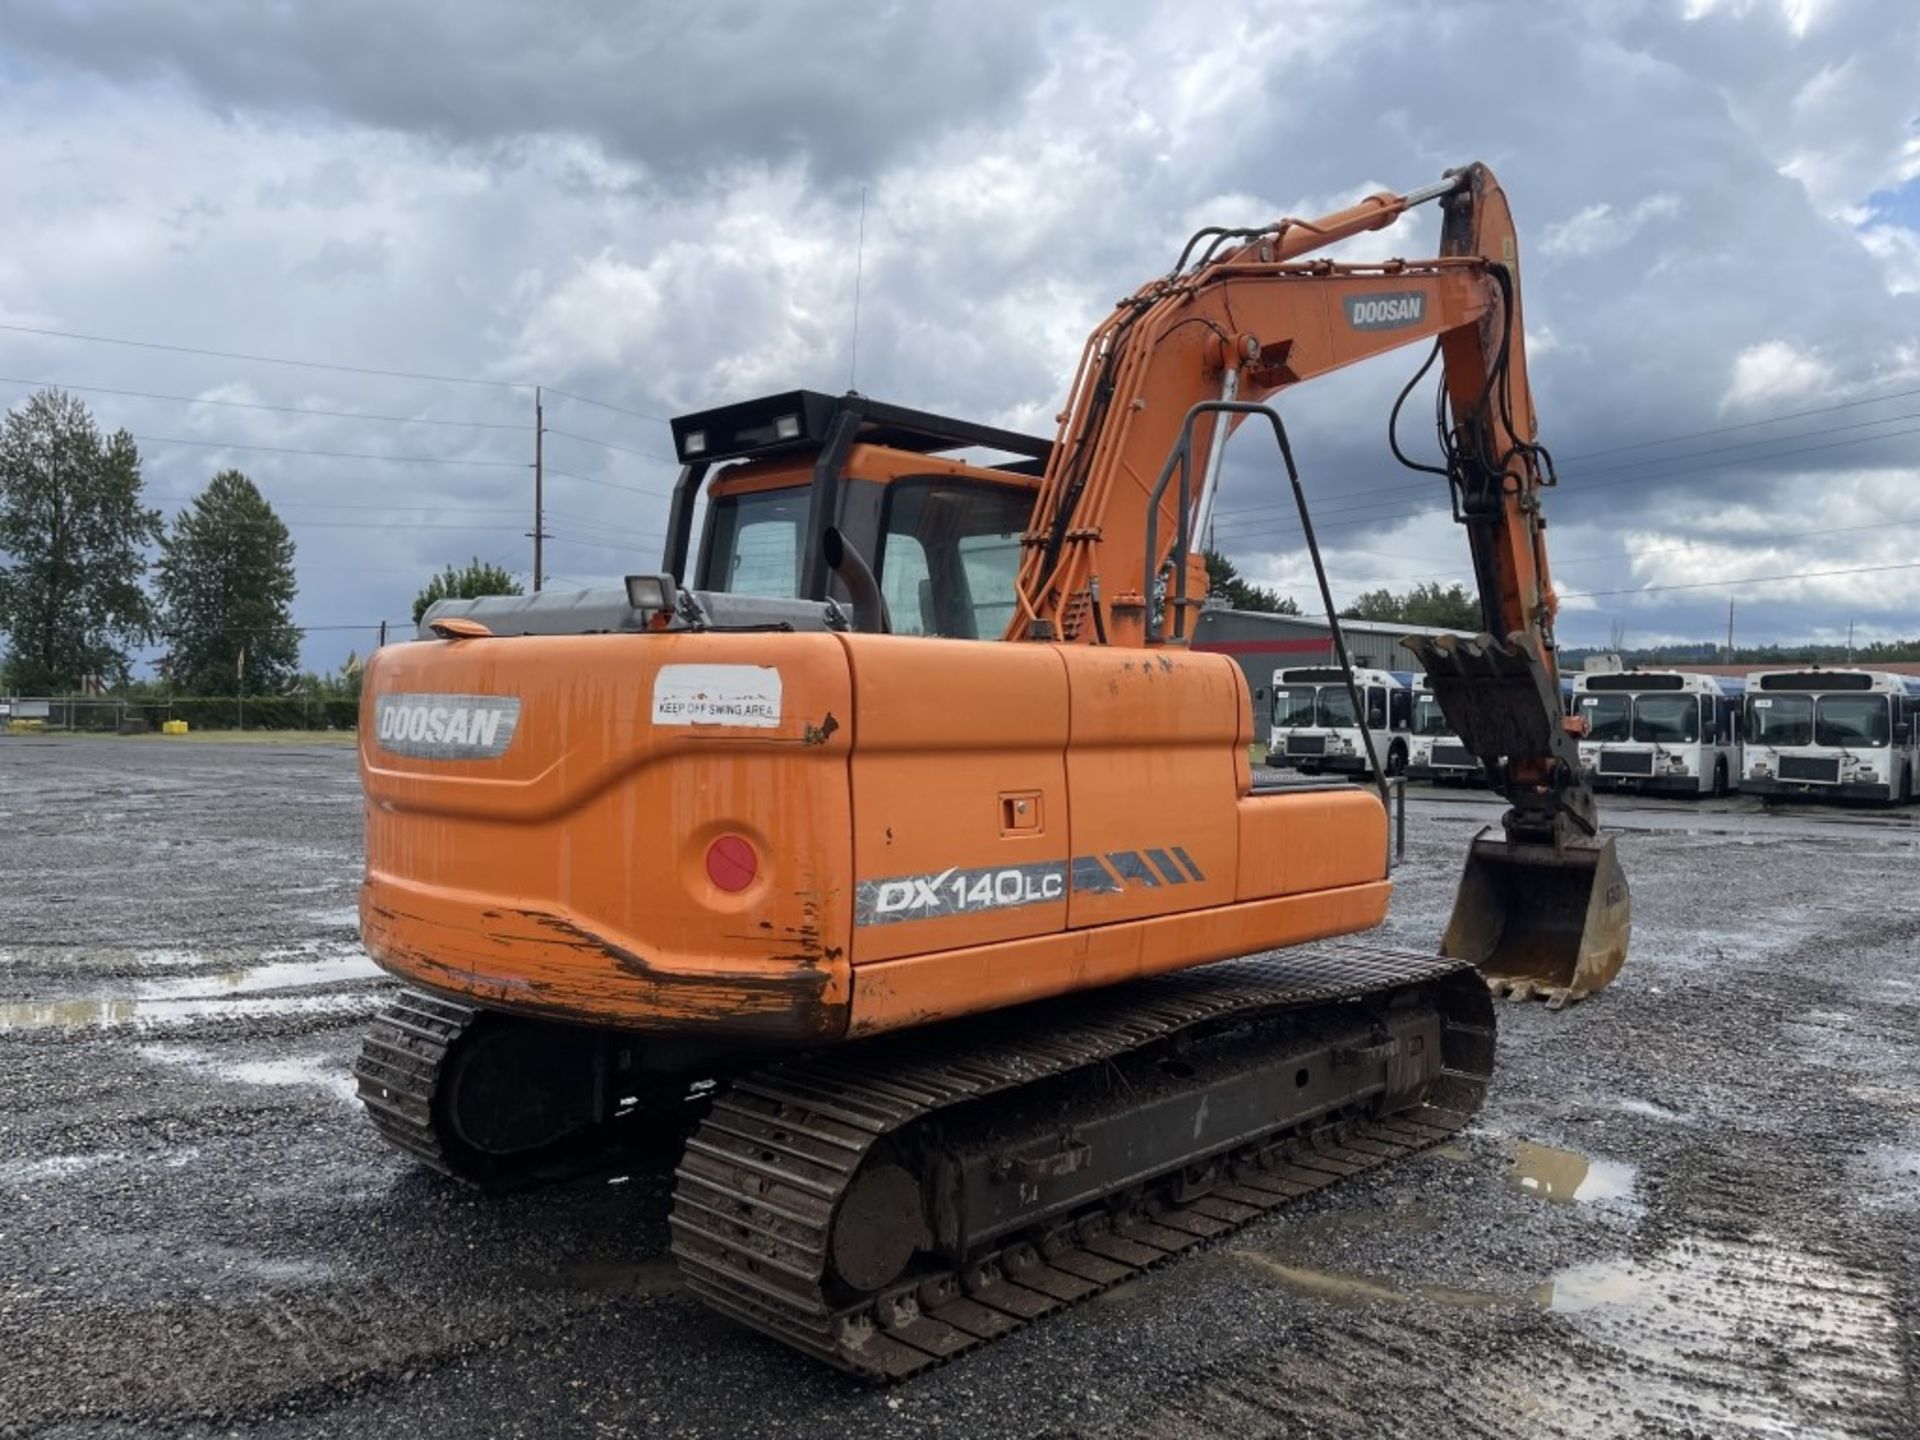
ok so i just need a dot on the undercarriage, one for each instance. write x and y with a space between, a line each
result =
887 1204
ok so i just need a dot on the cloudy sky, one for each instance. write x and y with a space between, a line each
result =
653 208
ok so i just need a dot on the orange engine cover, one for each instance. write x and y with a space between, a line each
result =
778 839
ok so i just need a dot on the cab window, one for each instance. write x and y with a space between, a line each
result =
755 542
950 555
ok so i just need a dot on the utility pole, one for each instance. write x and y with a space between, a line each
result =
383 633
1729 630
539 482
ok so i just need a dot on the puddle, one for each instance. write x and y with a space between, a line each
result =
1362 1290
55 1167
1705 1337
1567 1177
298 974
194 997
1691 1330
310 1071
1648 1110
102 1013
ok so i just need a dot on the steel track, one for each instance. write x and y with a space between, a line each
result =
759 1186
399 1071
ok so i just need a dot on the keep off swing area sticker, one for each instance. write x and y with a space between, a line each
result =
717 695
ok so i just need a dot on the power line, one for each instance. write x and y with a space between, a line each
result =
608 444
1746 424
605 405
269 359
1391 516
1404 486
401 526
327 454
1464 575
1748 580
256 405
607 484
319 365
396 509
626 547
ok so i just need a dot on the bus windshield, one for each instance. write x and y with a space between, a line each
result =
1293 705
1853 721
1607 716
1428 718
1666 719
1336 707
1780 720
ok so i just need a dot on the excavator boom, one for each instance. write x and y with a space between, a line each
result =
1543 907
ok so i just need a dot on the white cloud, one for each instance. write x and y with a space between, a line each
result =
1800 15
549 230
1599 228
1780 374
1897 248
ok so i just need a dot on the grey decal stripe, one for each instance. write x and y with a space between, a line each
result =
1187 860
1128 865
1090 877
1163 862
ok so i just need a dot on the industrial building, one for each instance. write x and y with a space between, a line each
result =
1263 643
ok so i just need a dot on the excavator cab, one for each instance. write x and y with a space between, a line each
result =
939 533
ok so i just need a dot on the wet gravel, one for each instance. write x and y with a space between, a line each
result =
1691 1206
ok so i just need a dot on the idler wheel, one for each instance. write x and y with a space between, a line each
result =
877 1228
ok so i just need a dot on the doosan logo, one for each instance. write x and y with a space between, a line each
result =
1386 312
446 727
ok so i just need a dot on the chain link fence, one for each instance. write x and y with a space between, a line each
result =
110 716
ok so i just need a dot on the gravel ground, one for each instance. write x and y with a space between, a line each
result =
1691 1206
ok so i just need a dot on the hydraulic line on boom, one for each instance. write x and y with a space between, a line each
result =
1542 907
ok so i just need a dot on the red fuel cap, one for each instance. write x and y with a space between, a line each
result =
731 863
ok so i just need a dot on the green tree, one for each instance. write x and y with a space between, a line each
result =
73 535
1223 579
226 581
1451 608
468 582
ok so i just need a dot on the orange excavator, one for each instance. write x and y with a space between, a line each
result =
905 863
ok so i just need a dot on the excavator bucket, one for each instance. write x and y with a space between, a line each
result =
1541 920
1542 912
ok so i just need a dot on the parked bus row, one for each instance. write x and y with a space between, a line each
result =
1840 734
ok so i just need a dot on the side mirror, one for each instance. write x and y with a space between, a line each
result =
1902 733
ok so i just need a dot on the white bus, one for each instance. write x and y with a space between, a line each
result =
1314 728
1831 734
1434 752
1661 732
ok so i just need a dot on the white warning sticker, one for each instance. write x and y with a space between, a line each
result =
717 695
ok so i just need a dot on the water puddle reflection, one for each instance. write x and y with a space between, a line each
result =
1690 1327
1567 1177
312 1071
1363 1290
250 992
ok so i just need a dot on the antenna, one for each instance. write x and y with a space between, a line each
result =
859 257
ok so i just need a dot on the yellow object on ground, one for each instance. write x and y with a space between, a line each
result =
173 727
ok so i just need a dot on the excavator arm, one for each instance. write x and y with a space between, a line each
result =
1543 907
